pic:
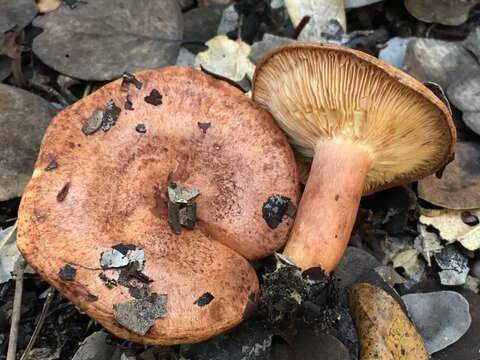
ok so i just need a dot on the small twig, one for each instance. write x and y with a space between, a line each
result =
16 311
49 91
41 320
5 239
87 90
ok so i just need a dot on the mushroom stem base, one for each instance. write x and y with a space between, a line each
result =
329 205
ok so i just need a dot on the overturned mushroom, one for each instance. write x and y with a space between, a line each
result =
116 205
367 125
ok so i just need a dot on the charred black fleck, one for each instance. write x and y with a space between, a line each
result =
110 116
124 248
93 123
53 165
91 298
128 104
154 98
67 272
141 128
275 208
109 283
128 79
205 299
63 192
182 210
203 126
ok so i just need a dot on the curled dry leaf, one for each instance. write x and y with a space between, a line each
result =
384 331
452 226
226 57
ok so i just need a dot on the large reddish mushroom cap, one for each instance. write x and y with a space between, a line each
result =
117 181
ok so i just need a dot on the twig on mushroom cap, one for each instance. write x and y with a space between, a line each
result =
367 125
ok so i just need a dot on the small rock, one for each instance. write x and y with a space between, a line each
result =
438 332
23 120
353 263
347 333
94 347
464 92
472 120
454 266
5 67
268 43
437 60
18 13
124 32
389 275
476 268
321 12
201 24
309 345
472 42
251 340
350 4
229 21
185 58
459 186
446 12
394 51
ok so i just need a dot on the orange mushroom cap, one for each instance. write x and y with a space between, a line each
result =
117 181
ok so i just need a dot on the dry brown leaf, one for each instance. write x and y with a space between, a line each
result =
384 331
48 5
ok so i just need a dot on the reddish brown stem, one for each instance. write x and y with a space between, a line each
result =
329 205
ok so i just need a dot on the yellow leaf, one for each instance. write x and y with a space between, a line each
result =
48 5
384 331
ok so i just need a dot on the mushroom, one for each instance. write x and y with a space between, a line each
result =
96 225
367 126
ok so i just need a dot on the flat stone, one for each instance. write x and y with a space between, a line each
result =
268 43
454 266
321 13
459 187
472 42
200 25
350 4
394 51
185 58
251 340
437 60
100 40
353 263
94 347
472 120
229 21
441 318
464 92
5 67
18 13
446 12
23 120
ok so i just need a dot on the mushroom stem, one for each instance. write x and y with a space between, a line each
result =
329 205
